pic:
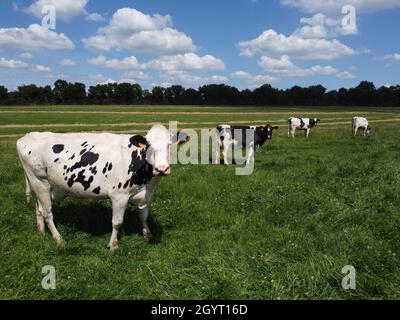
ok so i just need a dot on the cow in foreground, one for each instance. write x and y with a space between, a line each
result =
123 168
228 136
305 124
360 122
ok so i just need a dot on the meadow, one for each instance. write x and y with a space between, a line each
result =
311 207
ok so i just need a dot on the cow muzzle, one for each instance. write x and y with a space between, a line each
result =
162 171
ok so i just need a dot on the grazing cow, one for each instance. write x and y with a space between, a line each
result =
301 124
123 168
360 122
236 135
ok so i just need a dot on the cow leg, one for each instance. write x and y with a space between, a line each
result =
118 206
143 215
250 157
39 219
365 131
45 205
292 132
307 132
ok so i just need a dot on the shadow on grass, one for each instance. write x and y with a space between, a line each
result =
95 219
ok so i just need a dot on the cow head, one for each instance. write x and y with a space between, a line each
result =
266 131
156 146
314 122
369 130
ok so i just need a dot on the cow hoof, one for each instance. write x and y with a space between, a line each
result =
146 233
112 247
60 242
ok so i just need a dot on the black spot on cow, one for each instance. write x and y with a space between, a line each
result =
71 180
87 159
30 152
302 123
72 157
81 179
119 185
139 169
82 152
65 167
137 141
57 148
110 167
56 160
83 144
105 168
96 190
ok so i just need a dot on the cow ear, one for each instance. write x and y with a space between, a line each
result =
138 142
275 128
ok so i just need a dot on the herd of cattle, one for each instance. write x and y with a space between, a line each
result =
126 169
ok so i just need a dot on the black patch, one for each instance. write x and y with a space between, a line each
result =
82 152
110 167
302 123
57 148
71 180
57 160
96 190
87 159
119 185
137 141
65 167
140 170
105 168
83 144
72 157
81 179
30 152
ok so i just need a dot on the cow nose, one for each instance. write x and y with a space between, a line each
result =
163 170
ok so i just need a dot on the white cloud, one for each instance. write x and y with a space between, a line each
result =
130 29
26 55
35 37
94 17
392 57
13 64
187 61
284 67
185 78
345 75
254 81
136 76
40 68
271 43
108 81
67 63
65 9
334 7
126 63
320 26
98 77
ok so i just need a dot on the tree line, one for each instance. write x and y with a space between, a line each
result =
63 92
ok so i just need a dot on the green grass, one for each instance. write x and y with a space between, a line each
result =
284 232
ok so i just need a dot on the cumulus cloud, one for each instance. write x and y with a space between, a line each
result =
126 63
185 78
284 67
345 75
254 80
320 26
187 61
392 57
40 68
65 9
66 63
136 76
271 43
334 7
26 55
34 37
130 29
13 64
94 17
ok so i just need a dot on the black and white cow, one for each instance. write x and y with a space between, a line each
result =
302 124
228 136
123 168
360 122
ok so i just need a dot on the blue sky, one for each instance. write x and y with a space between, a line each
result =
244 43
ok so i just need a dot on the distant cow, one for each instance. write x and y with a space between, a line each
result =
228 136
360 122
301 124
123 168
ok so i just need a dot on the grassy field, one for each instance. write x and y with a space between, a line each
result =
284 232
